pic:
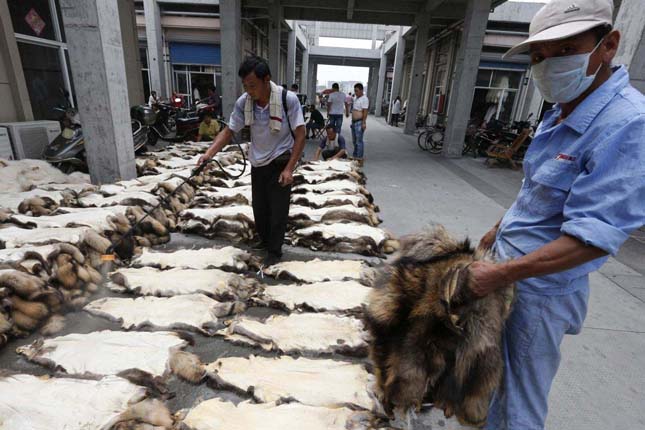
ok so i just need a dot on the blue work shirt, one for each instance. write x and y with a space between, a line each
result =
265 145
584 177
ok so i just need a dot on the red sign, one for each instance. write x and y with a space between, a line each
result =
35 21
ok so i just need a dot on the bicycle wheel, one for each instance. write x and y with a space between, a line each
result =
435 141
422 140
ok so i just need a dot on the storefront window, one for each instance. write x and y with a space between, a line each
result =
40 34
44 76
193 81
495 95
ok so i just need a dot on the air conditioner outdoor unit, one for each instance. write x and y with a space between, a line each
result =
29 139
5 144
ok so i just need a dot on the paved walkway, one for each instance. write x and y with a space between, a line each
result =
601 383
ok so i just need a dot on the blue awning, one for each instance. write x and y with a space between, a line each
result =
195 53
486 64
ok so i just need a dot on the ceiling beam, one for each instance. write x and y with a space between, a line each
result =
386 18
381 6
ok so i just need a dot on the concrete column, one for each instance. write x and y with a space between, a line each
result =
374 34
416 74
15 105
463 86
127 19
231 45
316 33
154 38
313 72
372 87
96 54
381 86
631 50
291 57
275 24
304 73
397 78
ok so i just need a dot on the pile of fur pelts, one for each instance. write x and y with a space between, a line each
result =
39 283
432 339
333 211
330 209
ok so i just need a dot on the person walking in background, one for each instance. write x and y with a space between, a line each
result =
336 107
348 103
153 100
359 121
396 111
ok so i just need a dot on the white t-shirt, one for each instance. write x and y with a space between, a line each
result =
361 103
337 100
396 108
266 146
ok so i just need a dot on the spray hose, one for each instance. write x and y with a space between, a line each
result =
110 255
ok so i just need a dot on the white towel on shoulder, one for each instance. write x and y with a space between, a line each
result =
275 109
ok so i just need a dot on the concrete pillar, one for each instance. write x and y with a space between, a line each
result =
291 56
416 75
15 105
372 87
397 78
311 93
463 86
154 39
382 68
231 45
304 73
96 55
127 19
374 34
316 33
275 24
631 50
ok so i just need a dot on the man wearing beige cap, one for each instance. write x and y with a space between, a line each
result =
583 194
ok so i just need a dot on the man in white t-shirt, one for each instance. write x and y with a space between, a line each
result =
359 121
336 108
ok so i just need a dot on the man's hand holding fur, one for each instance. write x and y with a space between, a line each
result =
487 277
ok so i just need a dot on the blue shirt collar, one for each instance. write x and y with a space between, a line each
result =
582 116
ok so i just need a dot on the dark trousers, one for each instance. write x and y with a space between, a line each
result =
270 204
328 153
395 119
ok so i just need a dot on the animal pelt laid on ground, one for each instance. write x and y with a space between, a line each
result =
345 237
431 337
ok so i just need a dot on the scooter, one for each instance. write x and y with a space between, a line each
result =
67 150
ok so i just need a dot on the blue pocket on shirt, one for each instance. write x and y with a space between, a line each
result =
552 182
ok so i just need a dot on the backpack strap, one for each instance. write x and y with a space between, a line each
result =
286 111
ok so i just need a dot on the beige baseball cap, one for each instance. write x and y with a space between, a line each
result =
560 19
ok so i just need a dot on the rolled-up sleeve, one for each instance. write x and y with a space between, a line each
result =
236 122
607 200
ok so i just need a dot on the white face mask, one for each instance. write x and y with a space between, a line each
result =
563 79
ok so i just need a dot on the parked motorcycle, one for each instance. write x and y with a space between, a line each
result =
67 150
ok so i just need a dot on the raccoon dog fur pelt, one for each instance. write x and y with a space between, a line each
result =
432 339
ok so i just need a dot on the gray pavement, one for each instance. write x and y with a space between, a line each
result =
601 382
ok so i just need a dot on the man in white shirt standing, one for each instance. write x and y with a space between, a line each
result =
336 108
359 121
